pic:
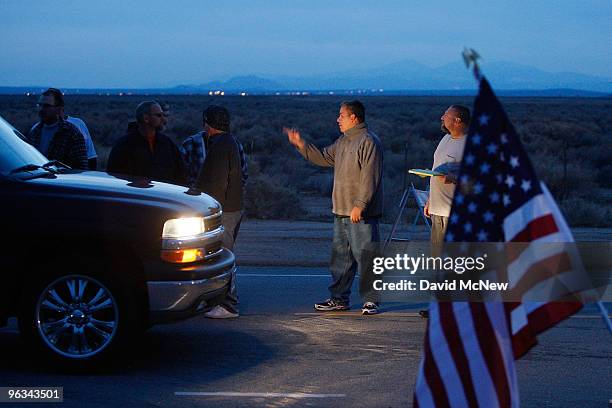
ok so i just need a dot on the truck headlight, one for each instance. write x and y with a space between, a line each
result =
176 233
183 227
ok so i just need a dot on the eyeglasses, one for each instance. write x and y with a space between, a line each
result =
45 105
159 115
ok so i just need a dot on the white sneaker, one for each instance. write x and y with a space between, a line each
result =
369 308
219 312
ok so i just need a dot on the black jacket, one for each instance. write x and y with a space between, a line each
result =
221 175
131 155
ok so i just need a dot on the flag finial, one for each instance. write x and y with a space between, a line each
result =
471 57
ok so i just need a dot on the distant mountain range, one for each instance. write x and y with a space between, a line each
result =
405 77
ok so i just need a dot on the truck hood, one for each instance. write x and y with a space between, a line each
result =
95 185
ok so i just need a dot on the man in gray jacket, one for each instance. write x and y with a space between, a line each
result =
357 198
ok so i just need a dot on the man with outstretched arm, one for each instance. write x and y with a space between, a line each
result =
357 198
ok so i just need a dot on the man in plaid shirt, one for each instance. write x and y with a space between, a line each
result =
193 152
55 137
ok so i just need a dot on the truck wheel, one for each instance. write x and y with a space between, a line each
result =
77 318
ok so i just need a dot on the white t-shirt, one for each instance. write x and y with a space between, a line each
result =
449 150
91 149
46 135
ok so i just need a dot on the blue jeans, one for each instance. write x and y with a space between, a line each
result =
346 258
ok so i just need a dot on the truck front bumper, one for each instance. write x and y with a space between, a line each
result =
175 300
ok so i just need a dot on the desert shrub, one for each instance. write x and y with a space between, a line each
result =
545 125
266 198
320 183
579 211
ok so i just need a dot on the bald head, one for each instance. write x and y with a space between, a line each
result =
145 108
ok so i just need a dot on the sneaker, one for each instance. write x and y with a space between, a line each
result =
369 308
219 312
331 304
424 313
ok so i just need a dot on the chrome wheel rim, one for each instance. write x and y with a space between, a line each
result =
77 316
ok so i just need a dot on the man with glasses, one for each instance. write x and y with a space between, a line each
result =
55 137
357 198
146 152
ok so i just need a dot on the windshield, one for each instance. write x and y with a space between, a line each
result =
16 152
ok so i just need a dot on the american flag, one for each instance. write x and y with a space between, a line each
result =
470 347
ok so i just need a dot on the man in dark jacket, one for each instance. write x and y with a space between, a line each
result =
222 178
146 152
55 137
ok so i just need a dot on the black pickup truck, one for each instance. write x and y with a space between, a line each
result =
91 259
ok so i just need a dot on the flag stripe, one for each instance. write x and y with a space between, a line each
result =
537 228
478 367
549 314
443 358
515 222
523 341
422 394
432 376
503 338
450 328
541 271
528 254
541 316
493 357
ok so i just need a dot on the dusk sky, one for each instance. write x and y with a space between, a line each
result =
134 43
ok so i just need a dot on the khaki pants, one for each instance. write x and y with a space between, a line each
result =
231 224
438 229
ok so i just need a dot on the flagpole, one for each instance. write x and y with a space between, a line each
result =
604 313
470 58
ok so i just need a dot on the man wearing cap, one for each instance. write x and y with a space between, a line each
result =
223 176
146 152
55 137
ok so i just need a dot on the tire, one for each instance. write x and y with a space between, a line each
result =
79 318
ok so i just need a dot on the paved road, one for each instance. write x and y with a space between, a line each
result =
280 346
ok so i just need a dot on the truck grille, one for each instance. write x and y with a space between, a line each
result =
213 222
213 249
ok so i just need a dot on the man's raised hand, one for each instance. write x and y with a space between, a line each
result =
294 137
